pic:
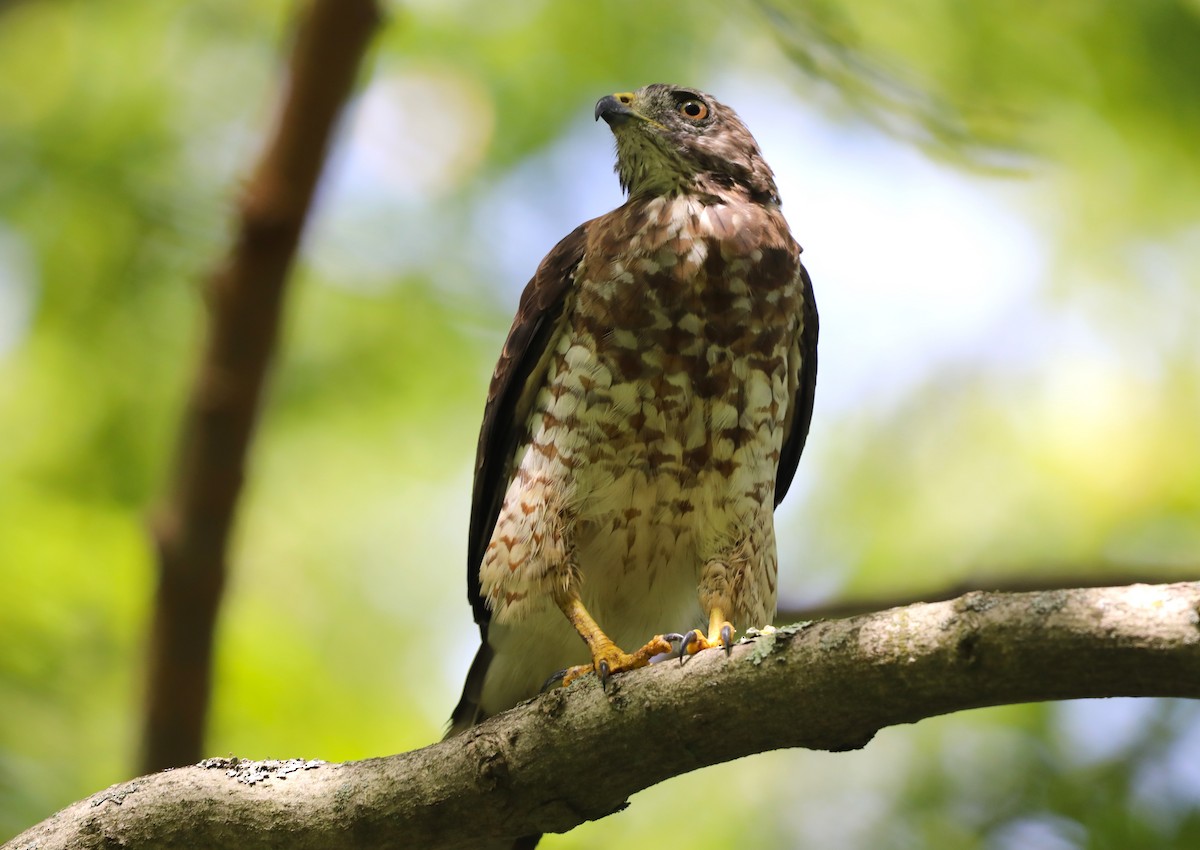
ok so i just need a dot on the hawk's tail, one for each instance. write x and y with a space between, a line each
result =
468 713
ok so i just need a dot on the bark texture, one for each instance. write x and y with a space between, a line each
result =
828 685
192 527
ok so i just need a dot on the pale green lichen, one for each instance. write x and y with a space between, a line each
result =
771 639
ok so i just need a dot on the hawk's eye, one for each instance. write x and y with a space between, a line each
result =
696 110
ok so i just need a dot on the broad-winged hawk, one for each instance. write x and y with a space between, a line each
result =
646 416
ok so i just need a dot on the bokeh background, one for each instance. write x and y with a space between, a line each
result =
1000 205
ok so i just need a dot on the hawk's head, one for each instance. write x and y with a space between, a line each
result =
674 140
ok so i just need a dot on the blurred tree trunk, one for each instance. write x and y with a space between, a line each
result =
192 528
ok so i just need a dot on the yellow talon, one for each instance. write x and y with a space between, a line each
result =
607 657
720 633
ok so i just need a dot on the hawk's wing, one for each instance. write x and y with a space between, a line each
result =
803 388
515 383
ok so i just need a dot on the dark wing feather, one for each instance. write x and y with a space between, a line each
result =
515 383
799 415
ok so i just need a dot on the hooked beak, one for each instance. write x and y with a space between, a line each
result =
615 108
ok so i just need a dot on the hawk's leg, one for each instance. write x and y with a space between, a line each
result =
720 633
607 657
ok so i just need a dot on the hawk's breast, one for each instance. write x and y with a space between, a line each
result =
661 418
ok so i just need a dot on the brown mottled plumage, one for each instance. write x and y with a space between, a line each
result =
647 413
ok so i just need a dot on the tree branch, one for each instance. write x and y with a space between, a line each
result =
829 685
191 529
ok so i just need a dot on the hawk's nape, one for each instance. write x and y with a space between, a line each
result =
646 415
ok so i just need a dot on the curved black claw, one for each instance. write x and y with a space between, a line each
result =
677 645
689 640
604 672
553 682
727 639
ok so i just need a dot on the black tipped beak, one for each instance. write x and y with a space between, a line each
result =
613 110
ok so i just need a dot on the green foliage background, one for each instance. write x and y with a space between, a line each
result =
124 127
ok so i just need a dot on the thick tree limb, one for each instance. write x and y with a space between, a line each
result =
191 529
578 754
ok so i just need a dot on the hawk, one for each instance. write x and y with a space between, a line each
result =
646 416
